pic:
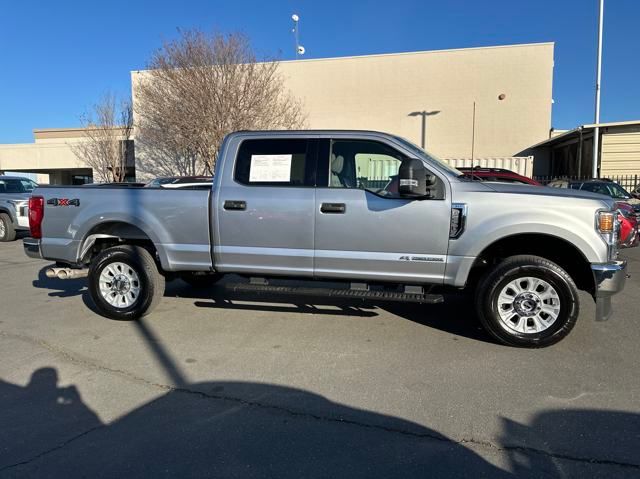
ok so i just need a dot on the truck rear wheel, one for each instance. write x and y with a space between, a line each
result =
527 301
124 282
7 230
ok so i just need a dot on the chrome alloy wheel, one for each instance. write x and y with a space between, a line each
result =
528 305
119 285
3 229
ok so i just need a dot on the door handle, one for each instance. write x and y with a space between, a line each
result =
235 205
338 208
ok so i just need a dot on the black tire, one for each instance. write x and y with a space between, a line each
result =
200 280
7 230
151 282
523 266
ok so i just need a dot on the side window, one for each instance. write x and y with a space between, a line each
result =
275 162
364 164
28 186
13 186
595 188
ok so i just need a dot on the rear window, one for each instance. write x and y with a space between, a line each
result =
17 186
275 162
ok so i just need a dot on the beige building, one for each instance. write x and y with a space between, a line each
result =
488 102
570 153
430 98
50 157
510 86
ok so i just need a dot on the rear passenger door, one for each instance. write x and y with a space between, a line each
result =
265 208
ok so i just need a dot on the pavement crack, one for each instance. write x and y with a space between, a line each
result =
91 364
52 449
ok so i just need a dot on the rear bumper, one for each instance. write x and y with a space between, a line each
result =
32 248
610 279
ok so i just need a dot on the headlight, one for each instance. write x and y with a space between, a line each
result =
605 222
608 225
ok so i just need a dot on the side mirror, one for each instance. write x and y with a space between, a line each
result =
414 179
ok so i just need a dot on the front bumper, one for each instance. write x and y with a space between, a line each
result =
609 279
32 248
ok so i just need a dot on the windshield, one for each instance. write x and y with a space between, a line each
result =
619 192
420 153
613 190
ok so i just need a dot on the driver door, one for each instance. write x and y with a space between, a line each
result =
364 230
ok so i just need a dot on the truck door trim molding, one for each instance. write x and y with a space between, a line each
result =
254 250
380 256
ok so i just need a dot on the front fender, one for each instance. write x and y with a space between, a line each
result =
577 229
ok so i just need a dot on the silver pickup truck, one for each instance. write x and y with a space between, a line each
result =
369 212
14 200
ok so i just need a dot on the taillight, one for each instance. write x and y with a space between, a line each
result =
36 214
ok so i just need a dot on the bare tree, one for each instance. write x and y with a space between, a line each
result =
106 146
198 89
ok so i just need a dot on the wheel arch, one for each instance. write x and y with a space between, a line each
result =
116 232
4 209
562 252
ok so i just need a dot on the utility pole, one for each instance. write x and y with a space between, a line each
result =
596 130
473 133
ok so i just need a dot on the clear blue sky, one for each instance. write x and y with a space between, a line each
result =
58 57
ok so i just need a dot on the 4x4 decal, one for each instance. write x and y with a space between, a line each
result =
63 202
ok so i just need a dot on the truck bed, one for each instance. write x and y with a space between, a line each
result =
177 221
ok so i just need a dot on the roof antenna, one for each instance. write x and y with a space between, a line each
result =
295 30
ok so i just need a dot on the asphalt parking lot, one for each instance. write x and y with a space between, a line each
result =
211 385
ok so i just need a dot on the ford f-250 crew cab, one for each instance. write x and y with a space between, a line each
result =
369 211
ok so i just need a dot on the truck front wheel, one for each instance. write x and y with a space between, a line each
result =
124 282
527 301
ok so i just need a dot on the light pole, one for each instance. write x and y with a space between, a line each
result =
299 48
424 114
596 130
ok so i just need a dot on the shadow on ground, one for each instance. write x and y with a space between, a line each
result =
455 315
240 429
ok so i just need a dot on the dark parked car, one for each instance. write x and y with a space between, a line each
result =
498 175
602 186
182 182
114 185
628 206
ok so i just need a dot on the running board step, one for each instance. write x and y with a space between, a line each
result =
336 293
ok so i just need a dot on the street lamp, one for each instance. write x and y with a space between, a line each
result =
596 130
299 48
424 114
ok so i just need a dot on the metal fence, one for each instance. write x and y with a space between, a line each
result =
628 182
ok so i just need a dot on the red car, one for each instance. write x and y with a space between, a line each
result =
497 174
628 225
